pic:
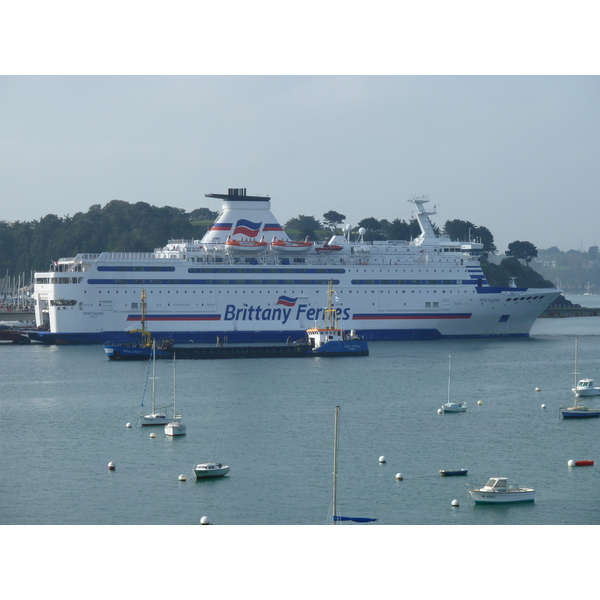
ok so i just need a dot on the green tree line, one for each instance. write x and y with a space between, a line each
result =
27 246
118 226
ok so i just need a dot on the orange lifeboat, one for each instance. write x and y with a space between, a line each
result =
290 246
328 248
251 246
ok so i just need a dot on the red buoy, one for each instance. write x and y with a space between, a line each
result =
584 463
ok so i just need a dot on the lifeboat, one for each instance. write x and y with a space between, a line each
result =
290 246
247 246
328 248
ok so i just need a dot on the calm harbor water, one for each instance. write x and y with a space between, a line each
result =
64 411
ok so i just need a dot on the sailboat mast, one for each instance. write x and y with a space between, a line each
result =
449 368
576 357
335 444
174 389
153 372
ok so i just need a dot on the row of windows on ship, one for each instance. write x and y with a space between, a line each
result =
270 282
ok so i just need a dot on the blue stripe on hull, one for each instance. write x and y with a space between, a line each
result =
247 336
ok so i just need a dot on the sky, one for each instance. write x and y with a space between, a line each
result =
516 152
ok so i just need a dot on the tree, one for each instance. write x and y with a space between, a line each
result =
203 214
465 231
459 231
332 219
305 226
396 230
524 250
370 223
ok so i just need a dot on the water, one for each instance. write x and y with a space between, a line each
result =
64 411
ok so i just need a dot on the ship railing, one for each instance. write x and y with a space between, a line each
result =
128 256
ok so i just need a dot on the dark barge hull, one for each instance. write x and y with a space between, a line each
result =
119 352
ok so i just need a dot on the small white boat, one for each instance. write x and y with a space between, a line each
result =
154 418
497 491
452 406
585 387
210 470
176 426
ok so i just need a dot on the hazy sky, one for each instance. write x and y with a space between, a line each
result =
517 154
84 120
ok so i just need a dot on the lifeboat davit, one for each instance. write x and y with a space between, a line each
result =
290 246
249 246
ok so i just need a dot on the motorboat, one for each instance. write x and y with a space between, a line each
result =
497 491
453 473
585 387
210 469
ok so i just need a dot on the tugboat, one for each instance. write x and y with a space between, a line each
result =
330 339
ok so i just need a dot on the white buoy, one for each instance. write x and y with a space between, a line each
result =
128 425
182 477
479 402
111 466
440 411
455 502
152 435
382 459
571 463
543 406
538 390
399 477
205 521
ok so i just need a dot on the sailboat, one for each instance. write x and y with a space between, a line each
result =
452 406
336 517
154 418
176 426
578 411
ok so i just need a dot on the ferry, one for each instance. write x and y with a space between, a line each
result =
198 291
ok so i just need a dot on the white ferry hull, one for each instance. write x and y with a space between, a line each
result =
197 292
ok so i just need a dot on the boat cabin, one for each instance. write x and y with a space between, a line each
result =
585 384
496 484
